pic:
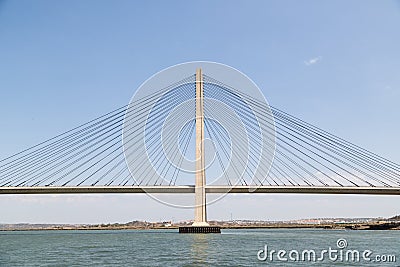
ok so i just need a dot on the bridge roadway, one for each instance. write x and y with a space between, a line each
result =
189 189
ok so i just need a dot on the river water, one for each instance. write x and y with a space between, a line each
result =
230 248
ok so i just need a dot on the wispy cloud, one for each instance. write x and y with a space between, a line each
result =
312 61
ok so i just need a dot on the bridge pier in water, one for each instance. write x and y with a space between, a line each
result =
200 224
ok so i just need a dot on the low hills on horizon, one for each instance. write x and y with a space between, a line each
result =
326 223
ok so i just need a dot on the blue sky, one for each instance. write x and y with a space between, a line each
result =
332 63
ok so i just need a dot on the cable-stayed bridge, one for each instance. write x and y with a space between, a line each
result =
90 158
199 126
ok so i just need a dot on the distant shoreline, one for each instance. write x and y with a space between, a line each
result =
327 226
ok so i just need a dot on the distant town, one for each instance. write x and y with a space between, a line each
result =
323 223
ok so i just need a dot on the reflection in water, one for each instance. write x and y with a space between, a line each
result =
200 247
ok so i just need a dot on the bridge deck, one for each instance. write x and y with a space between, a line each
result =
209 189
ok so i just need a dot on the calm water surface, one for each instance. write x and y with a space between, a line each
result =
168 248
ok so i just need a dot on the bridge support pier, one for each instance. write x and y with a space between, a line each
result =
200 230
200 212
200 224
